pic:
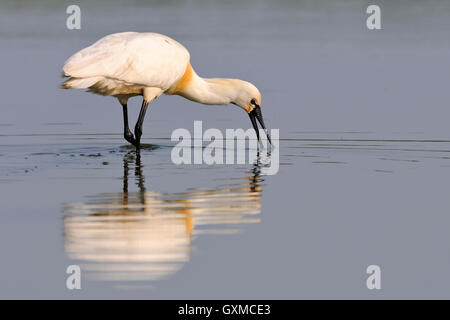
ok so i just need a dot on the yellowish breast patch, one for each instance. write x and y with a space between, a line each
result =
184 81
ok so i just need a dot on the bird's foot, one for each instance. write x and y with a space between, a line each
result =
130 138
138 135
137 145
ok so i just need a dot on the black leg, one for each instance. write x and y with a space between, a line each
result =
126 130
138 127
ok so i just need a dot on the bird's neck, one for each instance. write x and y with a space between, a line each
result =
215 91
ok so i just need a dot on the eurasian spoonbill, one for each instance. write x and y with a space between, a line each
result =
130 64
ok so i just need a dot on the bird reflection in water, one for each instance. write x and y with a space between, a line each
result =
147 235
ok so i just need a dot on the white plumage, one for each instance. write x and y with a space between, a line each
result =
128 58
149 64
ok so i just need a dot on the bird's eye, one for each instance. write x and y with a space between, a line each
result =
253 102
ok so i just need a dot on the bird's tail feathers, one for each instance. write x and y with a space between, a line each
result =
79 83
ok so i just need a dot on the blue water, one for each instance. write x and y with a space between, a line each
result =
364 156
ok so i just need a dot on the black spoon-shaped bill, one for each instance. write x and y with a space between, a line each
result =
254 115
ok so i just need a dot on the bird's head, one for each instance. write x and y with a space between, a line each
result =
248 97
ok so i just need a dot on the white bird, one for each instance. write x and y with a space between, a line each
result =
130 64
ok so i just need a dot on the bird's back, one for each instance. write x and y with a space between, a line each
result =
147 59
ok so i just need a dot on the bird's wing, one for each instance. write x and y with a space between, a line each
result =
148 59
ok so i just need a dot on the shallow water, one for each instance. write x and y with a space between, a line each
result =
364 157
140 226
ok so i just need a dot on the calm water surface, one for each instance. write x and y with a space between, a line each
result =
364 157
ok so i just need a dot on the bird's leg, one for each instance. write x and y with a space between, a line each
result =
126 131
140 121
